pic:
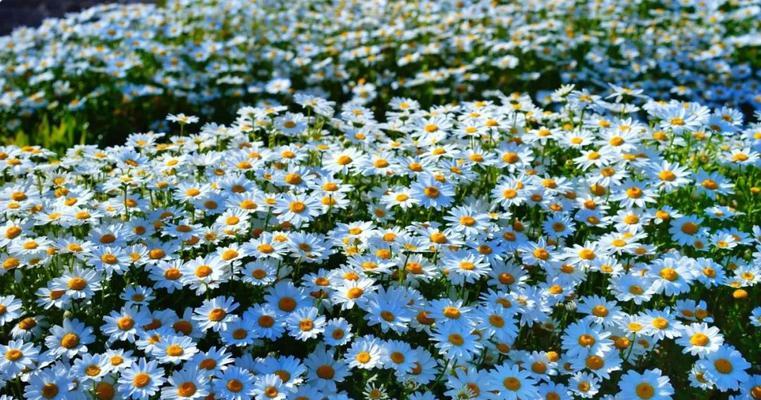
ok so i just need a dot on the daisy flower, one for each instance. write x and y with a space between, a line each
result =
270 386
10 309
582 338
323 370
344 161
289 369
125 324
661 324
202 274
649 385
385 309
212 362
175 349
234 384
633 193
182 119
17 356
141 380
672 275
186 384
305 323
584 385
684 230
91 367
455 340
215 313
725 368
53 383
337 332
297 209
463 267
284 297
365 353
69 339
700 340
268 323
712 184
600 310
432 193
239 333
668 176
513 383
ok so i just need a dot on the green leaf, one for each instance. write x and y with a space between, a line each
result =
21 139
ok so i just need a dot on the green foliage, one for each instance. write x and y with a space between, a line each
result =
56 137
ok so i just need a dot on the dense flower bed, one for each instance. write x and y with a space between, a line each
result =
594 248
113 69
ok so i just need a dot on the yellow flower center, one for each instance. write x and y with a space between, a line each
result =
70 340
297 207
660 323
141 380
586 340
644 390
217 314
512 384
174 350
669 274
594 362
49 390
13 354
723 365
456 339
666 175
363 357
186 389
600 311
699 339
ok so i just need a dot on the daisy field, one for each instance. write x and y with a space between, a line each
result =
206 199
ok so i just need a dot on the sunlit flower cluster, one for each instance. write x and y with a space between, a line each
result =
599 247
141 61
